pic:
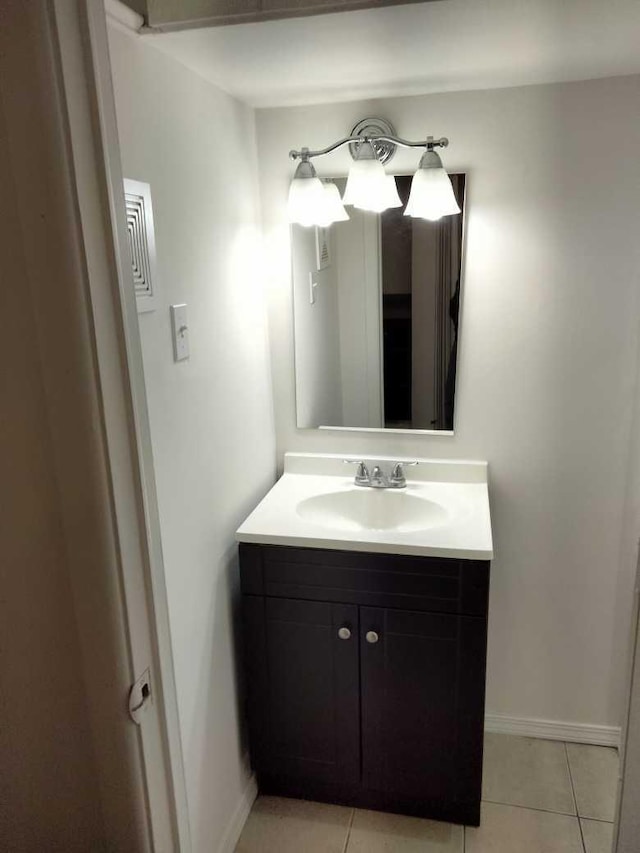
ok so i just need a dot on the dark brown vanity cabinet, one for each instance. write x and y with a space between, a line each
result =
365 677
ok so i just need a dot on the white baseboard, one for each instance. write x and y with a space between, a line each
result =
553 730
121 15
239 817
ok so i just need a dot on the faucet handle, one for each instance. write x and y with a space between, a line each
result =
362 473
397 479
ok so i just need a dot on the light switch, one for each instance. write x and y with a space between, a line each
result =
312 288
180 332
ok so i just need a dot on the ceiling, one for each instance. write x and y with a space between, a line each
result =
414 49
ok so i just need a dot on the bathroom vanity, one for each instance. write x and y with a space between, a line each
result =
366 645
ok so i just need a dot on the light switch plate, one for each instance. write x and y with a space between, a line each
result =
180 332
312 288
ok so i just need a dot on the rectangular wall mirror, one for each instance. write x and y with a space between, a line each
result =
376 318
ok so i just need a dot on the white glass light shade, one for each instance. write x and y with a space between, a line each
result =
306 198
384 197
368 187
392 199
311 202
432 195
334 209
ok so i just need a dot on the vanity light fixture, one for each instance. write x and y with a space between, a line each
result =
368 185
312 201
334 207
372 143
307 199
431 195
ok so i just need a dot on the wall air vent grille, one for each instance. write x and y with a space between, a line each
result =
141 242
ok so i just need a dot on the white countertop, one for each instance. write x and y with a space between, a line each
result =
458 487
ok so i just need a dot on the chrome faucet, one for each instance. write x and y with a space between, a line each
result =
377 479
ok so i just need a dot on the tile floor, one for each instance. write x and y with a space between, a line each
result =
539 796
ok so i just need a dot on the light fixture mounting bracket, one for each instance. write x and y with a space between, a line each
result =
384 143
372 127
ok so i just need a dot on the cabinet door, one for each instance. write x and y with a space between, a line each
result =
304 696
422 703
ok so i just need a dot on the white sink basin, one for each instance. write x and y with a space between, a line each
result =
372 509
443 512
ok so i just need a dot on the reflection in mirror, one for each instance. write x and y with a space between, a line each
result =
376 311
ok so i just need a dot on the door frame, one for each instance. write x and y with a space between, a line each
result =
626 820
81 31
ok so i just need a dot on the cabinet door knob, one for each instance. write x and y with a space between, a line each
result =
344 633
371 637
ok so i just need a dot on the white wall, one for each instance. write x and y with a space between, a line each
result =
318 380
547 360
356 252
211 416
338 337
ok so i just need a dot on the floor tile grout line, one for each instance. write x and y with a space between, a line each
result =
575 798
348 836
597 820
533 808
